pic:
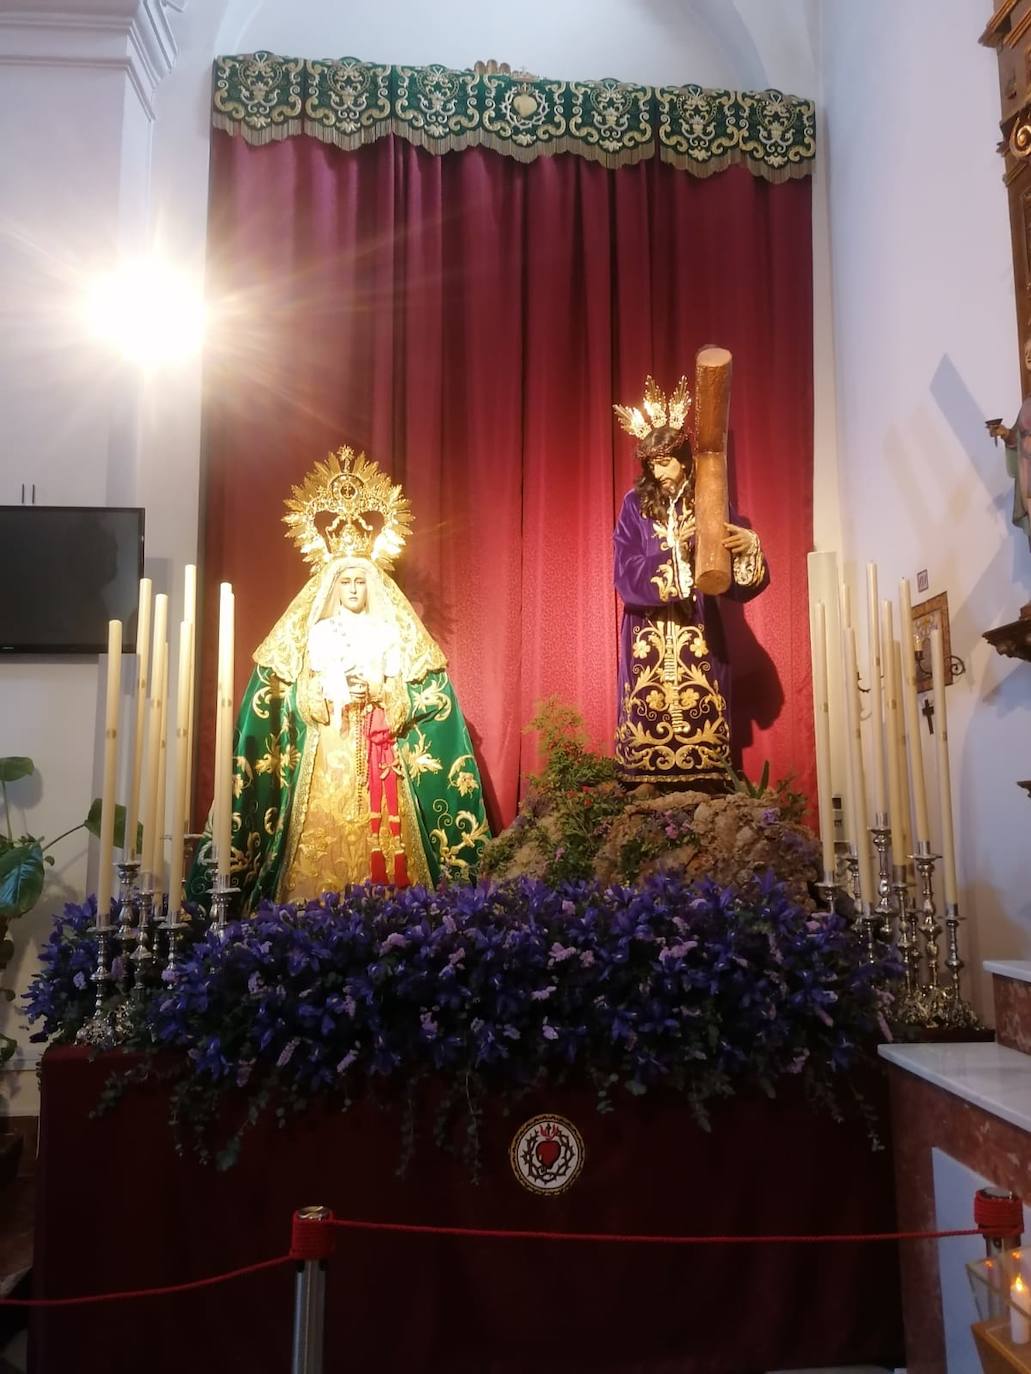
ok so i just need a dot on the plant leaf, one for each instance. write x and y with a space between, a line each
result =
21 878
13 768
7 1048
92 824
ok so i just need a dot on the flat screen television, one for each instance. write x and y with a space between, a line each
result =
65 571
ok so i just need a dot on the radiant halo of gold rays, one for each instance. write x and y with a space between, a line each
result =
348 505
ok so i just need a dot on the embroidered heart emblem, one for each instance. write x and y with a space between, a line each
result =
524 104
547 1152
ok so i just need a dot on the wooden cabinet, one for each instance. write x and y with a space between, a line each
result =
1009 33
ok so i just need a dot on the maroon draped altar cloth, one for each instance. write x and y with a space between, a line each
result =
117 1209
468 320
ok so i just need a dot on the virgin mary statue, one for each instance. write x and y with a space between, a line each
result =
352 760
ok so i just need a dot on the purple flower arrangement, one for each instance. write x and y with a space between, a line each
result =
696 988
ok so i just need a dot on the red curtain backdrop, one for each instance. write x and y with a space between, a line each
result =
468 321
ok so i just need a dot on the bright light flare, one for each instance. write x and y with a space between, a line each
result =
148 311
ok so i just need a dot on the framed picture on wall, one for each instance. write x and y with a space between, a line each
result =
932 614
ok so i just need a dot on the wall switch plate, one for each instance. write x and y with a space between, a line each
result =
921 580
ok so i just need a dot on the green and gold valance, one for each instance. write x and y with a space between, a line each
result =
262 98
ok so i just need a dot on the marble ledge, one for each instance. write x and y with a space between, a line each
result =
1020 969
990 1076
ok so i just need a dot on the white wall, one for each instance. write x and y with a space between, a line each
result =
76 82
925 344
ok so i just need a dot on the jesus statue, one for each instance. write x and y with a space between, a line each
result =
674 680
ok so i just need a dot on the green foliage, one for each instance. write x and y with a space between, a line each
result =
23 865
92 824
791 804
578 824
568 761
576 790
577 786
21 879
12 769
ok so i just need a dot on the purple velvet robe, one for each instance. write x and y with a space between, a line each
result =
674 682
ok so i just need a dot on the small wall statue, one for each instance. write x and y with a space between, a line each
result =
1017 441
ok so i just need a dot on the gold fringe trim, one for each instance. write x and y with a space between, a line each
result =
793 171
800 166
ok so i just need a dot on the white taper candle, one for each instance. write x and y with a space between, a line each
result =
880 800
151 772
190 616
108 798
132 811
857 773
891 725
181 762
907 648
941 735
224 762
821 713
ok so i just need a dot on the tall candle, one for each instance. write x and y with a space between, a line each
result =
891 731
108 798
880 800
1020 1312
821 712
856 772
153 761
181 764
153 775
941 735
224 763
912 712
216 794
846 606
132 810
161 807
905 807
190 616
824 580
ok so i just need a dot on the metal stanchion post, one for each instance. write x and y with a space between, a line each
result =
312 1245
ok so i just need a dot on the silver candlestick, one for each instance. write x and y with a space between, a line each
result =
930 1000
828 890
868 921
98 1030
852 870
880 833
173 925
222 893
128 873
957 1011
142 955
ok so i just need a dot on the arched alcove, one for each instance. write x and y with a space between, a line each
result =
735 43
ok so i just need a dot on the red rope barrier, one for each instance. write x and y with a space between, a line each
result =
311 1240
483 1233
149 1292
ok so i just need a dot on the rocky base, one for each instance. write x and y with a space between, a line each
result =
619 835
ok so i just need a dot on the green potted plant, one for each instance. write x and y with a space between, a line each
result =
23 865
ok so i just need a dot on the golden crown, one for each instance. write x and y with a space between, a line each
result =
657 411
347 506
